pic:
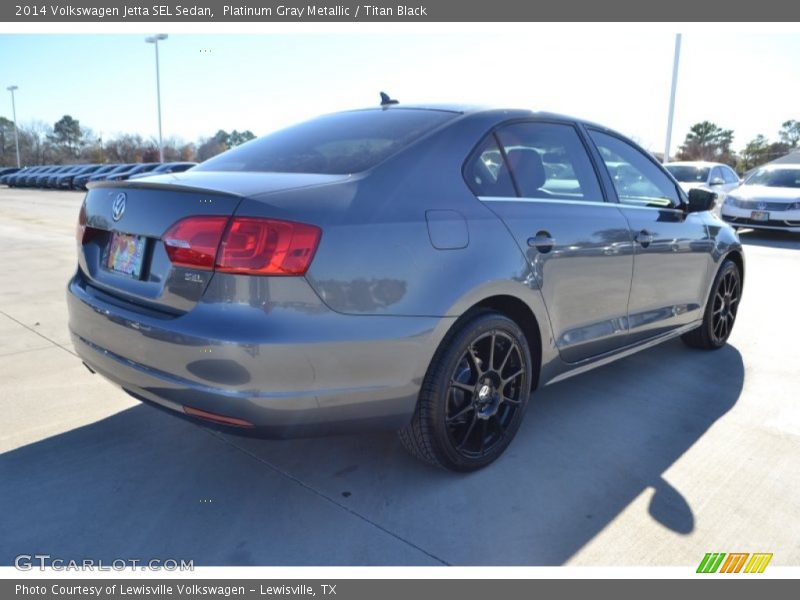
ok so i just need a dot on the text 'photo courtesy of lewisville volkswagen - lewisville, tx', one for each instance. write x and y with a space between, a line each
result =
396 293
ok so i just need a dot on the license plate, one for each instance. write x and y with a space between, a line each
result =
759 215
126 254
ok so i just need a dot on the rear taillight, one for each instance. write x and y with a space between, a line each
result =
244 245
83 233
267 247
193 242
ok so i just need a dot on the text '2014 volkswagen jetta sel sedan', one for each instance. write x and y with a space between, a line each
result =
416 268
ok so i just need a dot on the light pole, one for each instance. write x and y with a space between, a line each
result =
675 62
154 39
11 89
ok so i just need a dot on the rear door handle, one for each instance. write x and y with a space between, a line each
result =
644 237
542 241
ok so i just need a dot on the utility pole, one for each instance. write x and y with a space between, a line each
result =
672 95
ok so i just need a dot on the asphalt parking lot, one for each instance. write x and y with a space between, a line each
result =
654 460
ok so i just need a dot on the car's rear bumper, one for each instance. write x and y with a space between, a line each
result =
310 371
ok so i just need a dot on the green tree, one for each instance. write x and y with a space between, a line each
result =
67 133
240 137
210 147
754 153
790 133
35 144
707 141
125 148
7 150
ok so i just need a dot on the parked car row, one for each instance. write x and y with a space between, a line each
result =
76 177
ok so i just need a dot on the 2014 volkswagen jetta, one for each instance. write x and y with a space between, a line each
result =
406 267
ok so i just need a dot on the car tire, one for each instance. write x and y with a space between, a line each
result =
474 394
721 308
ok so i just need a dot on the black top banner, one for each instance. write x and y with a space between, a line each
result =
48 11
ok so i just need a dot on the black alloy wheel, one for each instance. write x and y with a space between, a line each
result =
474 395
721 310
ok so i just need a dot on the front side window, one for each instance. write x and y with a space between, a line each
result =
729 175
549 161
637 179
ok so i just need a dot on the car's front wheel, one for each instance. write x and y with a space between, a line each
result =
474 394
721 309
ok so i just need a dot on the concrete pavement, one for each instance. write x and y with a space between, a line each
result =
653 460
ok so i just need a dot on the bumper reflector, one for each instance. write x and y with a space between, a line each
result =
209 416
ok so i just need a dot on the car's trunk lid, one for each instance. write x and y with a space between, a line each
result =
129 219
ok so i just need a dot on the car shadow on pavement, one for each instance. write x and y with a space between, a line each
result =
142 484
770 239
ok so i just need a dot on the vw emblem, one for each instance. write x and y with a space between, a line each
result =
118 208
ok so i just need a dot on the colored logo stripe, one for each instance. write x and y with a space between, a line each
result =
758 563
711 562
734 562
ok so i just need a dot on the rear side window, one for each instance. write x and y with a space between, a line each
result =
336 144
486 172
549 161
637 179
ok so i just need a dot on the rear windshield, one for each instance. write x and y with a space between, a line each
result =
336 144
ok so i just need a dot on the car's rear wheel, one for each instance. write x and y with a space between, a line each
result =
474 395
721 309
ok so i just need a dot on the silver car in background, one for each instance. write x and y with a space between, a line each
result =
768 199
417 268
718 177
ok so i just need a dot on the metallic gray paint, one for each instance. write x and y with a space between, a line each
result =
406 249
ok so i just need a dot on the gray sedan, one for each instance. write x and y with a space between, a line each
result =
404 267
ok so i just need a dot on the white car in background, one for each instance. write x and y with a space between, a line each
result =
768 199
713 176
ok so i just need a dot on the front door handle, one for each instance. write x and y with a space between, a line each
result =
644 237
542 241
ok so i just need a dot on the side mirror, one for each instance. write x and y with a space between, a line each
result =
716 181
700 200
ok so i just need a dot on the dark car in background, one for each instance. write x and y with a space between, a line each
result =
101 176
169 167
65 180
67 170
11 179
414 268
22 178
7 172
50 180
134 170
40 179
80 180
